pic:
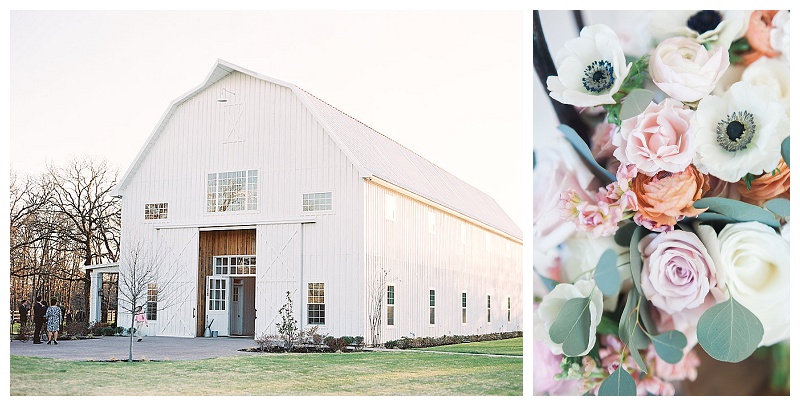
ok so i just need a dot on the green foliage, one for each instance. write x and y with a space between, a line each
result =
786 151
635 103
606 274
424 342
630 332
572 325
620 383
737 211
636 257
779 206
287 328
623 236
729 331
670 345
585 153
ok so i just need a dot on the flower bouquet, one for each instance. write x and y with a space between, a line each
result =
668 232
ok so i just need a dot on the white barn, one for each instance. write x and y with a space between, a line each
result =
255 187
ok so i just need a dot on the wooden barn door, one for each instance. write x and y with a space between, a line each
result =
218 243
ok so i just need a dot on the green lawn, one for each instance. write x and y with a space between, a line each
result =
512 346
364 373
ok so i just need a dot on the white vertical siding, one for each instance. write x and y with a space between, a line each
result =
417 261
293 154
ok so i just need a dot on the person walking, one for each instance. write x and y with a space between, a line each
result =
38 319
53 316
140 319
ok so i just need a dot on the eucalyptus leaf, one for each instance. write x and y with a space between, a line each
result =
779 206
636 258
629 331
533 157
729 331
647 319
739 211
583 150
623 236
669 346
637 358
606 274
549 284
607 326
619 383
785 151
707 217
572 325
635 103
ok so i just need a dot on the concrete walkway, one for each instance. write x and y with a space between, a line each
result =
151 348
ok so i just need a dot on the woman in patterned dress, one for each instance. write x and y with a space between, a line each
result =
53 316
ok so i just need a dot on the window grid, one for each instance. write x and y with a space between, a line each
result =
317 201
488 309
235 265
155 211
509 310
152 301
390 305
216 294
232 191
463 307
316 303
432 304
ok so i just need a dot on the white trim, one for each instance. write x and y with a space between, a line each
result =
237 226
408 193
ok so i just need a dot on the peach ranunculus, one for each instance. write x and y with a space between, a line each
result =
685 70
766 186
667 197
658 139
758 36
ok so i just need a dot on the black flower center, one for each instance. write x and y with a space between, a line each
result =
705 20
598 76
736 131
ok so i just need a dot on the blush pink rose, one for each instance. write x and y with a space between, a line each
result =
686 70
677 271
657 139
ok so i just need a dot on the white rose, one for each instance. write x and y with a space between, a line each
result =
685 70
579 258
779 34
717 29
590 68
772 72
753 262
739 132
545 315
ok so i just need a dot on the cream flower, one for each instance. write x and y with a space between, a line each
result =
753 262
551 305
590 68
579 258
772 72
657 139
739 132
717 29
685 70
779 35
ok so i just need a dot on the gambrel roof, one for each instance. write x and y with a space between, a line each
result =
375 155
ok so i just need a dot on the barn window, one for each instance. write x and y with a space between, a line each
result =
488 309
509 309
463 307
216 294
155 211
232 191
152 301
390 305
235 265
432 223
391 208
432 307
316 303
316 201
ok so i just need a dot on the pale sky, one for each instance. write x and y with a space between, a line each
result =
448 85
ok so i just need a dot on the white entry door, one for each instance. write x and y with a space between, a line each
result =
218 303
237 306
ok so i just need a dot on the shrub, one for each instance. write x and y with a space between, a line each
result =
77 328
424 342
335 344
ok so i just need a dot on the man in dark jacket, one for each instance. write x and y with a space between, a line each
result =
38 319
23 312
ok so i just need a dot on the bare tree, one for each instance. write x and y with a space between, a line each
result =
376 292
143 272
89 217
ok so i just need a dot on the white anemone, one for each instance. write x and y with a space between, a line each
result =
739 132
713 28
590 68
